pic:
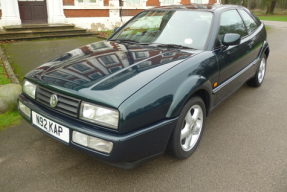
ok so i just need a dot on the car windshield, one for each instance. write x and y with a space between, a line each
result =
184 28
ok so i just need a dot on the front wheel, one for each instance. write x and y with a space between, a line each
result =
189 128
257 80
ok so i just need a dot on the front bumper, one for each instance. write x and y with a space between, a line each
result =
129 150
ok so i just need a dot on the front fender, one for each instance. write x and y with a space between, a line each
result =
164 97
188 88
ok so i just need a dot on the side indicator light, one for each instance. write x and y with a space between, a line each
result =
214 84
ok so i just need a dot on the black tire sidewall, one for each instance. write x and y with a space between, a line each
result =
176 143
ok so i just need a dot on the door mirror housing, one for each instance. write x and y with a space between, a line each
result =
231 39
115 29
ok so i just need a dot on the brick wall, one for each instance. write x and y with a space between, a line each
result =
153 3
185 2
68 2
86 12
106 2
130 12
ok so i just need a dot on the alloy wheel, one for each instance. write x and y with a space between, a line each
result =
191 128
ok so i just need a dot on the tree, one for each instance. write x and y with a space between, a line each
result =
270 6
244 3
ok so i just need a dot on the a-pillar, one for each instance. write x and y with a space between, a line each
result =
55 12
10 12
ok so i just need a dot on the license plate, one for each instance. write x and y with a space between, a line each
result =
55 129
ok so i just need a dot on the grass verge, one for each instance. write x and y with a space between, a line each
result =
9 118
3 76
273 17
19 74
105 33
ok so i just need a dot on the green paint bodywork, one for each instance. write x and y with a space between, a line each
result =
148 84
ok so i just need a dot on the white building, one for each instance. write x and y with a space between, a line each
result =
98 15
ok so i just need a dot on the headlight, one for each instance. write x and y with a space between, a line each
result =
29 88
26 110
99 115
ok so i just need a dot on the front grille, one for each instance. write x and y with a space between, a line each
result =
67 105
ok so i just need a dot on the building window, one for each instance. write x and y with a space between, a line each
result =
141 3
198 1
95 75
109 60
140 55
168 2
114 69
144 64
81 67
98 45
87 1
133 1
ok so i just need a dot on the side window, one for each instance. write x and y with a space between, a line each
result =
249 22
231 22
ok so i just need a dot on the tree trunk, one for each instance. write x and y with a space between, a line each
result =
273 3
243 3
267 9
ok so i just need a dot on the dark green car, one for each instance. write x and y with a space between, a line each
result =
150 86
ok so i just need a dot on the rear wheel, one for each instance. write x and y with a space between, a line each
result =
189 128
257 80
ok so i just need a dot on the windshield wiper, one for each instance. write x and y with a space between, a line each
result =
174 46
126 41
129 41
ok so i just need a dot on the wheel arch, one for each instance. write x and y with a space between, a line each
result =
196 85
266 52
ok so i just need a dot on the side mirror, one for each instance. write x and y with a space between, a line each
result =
115 29
231 39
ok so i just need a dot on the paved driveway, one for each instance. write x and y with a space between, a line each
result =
244 148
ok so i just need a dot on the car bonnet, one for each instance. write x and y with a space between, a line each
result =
107 72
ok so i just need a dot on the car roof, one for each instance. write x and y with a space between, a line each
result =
210 7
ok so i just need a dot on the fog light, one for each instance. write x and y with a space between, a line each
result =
80 138
24 109
92 142
100 145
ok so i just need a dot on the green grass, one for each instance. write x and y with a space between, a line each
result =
105 33
267 27
273 17
257 13
19 74
3 79
55 38
9 118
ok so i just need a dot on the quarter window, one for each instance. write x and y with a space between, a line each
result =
231 22
251 25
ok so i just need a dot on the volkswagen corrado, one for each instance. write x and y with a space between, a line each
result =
149 87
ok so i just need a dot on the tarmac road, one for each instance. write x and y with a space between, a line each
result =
244 148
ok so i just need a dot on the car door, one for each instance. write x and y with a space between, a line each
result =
232 61
254 39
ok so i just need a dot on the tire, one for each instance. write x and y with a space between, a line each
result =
257 80
188 131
